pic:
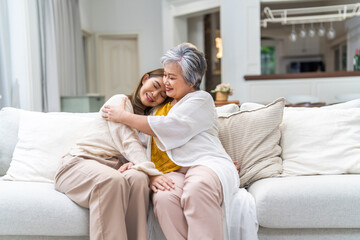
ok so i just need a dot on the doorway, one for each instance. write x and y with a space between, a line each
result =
213 50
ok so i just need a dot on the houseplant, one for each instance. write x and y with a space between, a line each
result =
222 90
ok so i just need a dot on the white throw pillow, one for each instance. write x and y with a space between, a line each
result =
248 106
227 108
43 139
320 141
345 105
349 104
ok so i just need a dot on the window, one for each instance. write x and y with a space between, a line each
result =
340 57
343 57
267 60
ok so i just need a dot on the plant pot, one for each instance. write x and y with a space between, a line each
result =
221 96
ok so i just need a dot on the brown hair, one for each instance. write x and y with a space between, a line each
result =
135 100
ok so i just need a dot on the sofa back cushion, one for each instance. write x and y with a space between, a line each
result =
252 139
9 126
321 141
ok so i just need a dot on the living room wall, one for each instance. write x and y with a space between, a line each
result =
141 17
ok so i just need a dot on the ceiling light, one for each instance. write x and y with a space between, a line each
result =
292 35
321 31
312 31
331 33
302 32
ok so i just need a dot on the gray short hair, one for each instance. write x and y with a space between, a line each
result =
191 61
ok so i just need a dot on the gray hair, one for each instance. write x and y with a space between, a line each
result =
191 61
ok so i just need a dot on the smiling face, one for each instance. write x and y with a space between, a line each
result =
175 84
152 93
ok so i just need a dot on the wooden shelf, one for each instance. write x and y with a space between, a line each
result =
309 75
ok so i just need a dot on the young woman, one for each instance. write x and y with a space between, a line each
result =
93 173
185 146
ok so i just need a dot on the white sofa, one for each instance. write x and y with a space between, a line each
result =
317 195
34 210
288 207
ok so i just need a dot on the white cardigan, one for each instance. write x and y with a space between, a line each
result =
189 135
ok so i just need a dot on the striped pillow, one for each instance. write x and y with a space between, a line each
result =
252 138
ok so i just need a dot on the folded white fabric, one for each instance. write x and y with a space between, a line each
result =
43 139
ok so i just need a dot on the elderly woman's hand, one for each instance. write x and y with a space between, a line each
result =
114 113
161 182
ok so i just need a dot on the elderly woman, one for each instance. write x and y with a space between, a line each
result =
184 145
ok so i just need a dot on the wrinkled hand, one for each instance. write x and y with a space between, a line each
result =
161 182
125 167
114 113
237 166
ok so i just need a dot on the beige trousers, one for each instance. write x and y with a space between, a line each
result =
118 202
193 209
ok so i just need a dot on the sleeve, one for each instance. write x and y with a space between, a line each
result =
191 117
127 142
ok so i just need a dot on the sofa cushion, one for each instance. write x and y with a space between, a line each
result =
252 139
320 141
43 139
9 126
345 105
29 208
326 201
309 234
227 108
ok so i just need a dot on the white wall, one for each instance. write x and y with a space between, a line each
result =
141 17
85 14
240 31
196 36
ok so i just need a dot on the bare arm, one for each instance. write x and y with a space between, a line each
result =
119 114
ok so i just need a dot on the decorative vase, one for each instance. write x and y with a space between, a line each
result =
221 96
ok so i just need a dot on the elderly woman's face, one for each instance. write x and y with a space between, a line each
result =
175 84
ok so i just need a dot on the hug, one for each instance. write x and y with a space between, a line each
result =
159 144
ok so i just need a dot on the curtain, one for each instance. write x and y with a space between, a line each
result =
63 64
5 68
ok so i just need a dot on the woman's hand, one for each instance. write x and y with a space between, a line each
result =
237 166
114 113
125 167
161 182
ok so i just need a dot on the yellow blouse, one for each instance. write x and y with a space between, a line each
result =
160 158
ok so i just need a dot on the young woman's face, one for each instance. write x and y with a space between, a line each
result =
152 93
175 84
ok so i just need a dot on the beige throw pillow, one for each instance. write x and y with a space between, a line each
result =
252 138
